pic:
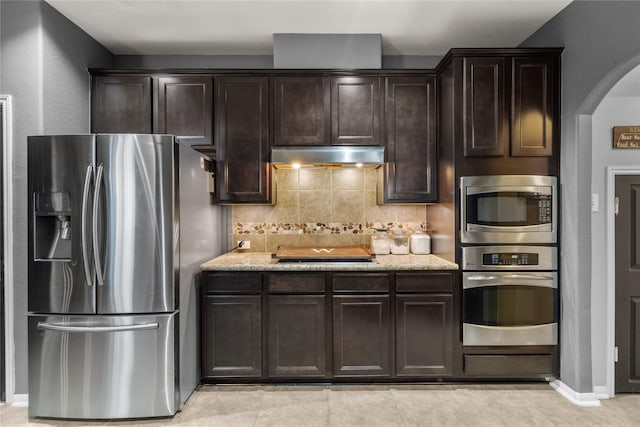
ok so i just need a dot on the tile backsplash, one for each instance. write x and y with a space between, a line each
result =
321 207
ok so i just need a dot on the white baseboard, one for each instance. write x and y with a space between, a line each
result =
579 399
601 392
20 400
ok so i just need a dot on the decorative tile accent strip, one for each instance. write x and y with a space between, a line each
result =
322 228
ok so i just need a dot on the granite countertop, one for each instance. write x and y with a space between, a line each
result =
262 261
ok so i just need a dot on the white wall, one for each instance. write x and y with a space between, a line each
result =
612 111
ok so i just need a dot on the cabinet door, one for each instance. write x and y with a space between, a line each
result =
485 119
121 104
185 108
533 100
231 336
361 336
243 173
355 111
300 110
424 344
410 112
297 336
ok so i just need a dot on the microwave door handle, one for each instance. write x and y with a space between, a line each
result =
96 202
85 202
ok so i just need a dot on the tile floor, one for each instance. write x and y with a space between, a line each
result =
393 405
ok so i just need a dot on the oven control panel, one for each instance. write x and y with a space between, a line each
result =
510 258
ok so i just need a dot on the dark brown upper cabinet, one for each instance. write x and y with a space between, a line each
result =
486 126
300 110
121 104
243 171
185 108
410 139
509 106
532 106
355 110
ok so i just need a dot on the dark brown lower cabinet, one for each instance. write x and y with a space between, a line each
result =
231 332
297 336
361 336
424 335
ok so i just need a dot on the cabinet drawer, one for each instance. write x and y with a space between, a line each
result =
424 282
508 365
234 283
362 282
296 283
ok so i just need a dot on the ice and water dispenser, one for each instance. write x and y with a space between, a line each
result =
52 226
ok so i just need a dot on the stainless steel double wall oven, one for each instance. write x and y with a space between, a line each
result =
510 282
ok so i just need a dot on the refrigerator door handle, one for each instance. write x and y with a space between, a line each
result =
85 202
96 202
64 328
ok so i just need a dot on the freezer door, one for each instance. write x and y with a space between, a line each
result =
135 223
102 366
60 191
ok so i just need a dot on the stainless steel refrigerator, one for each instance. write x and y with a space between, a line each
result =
118 226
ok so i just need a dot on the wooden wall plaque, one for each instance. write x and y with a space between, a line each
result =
626 137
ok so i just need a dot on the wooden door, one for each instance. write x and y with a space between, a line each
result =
411 169
297 336
532 106
185 108
300 110
424 335
361 336
121 104
231 336
485 119
243 172
627 247
355 110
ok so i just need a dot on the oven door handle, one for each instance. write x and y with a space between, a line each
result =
527 277
484 280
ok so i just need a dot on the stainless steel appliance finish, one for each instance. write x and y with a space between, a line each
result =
367 156
505 209
546 334
135 187
475 257
118 227
102 367
510 296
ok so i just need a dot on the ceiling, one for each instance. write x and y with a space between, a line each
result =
246 27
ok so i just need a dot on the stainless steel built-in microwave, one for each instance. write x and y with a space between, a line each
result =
508 209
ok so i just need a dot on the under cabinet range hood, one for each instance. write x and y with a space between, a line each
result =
361 156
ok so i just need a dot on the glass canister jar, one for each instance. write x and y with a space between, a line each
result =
380 244
420 243
400 241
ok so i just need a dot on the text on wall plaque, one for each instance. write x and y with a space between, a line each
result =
626 137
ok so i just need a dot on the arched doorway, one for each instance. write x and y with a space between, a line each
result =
618 106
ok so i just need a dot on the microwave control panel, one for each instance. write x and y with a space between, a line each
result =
544 209
509 258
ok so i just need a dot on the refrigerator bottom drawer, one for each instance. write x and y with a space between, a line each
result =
102 366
